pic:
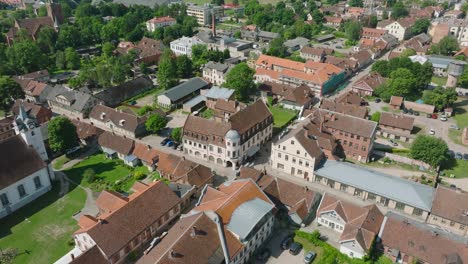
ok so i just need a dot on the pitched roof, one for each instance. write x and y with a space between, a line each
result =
146 153
372 32
396 100
316 51
143 209
119 144
270 61
362 56
126 121
184 170
78 100
39 112
396 120
250 116
35 88
149 47
230 106
31 25
300 95
451 204
361 223
421 241
17 161
162 19
276 88
193 239
370 81
92 255
184 89
344 108
333 19
207 127
85 130
115 95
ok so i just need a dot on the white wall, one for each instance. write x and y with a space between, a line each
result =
352 249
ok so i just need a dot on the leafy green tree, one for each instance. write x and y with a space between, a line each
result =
167 70
68 37
277 49
72 59
399 10
463 79
353 30
237 34
89 175
427 3
408 52
155 123
176 134
440 97
9 92
85 9
446 46
26 56
356 3
107 49
240 78
60 61
42 11
46 39
62 134
402 83
376 116
429 149
317 16
420 26
184 67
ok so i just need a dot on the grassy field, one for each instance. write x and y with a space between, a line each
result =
457 168
108 172
282 116
308 246
60 161
44 236
439 80
461 118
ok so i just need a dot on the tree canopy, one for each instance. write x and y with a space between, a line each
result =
62 134
167 70
176 134
353 30
420 26
155 123
399 10
9 92
429 149
446 46
440 97
240 78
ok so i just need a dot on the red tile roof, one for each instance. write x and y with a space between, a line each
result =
157 20
458 201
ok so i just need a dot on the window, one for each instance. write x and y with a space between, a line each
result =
284 147
279 155
363 148
350 144
4 199
346 134
286 157
220 150
365 139
233 144
37 182
292 142
452 223
280 166
294 160
371 197
211 148
345 142
399 206
352 135
307 164
434 218
21 191
300 162
299 172
298 152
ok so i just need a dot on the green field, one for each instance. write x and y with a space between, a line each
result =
439 80
457 168
108 173
282 116
44 236
461 118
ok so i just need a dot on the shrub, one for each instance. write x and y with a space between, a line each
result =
145 109
132 256
89 175
138 175
71 242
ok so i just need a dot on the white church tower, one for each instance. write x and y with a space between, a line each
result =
30 131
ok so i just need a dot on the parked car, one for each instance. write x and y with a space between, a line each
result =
286 242
263 255
339 47
458 156
295 248
434 116
410 111
443 118
309 257
393 142
169 143
451 154
405 111
428 115
453 186
133 102
164 141
455 127
377 100
431 131
465 156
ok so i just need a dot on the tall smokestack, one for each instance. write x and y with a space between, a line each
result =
213 24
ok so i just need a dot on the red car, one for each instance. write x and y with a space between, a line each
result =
434 116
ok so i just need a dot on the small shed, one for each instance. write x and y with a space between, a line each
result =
396 102
194 104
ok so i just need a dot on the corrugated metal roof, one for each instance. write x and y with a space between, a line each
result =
391 187
184 89
195 101
247 216
219 93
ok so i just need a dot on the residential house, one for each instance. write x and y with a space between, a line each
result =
401 28
229 142
367 84
24 172
74 104
358 226
356 135
406 241
395 126
384 190
115 146
118 122
40 76
147 50
195 238
214 93
157 22
348 65
259 35
37 92
315 54
333 21
355 12
299 98
127 223
348 103
299 202
450 210
363 58
320 77
148 155
372 33
396 102
32 26
183 45
87 133
244 212
114 96
177 95
215 72
299 151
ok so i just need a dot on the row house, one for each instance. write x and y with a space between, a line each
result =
395 126
315 54
127 223
121 123
230 142
372 33
333 21
74 104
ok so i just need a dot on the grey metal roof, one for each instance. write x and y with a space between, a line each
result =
195 101
299 41
219 93
439 61
217 66
184 89
391 187
247 215
77 98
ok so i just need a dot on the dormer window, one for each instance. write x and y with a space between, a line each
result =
121 122
103 115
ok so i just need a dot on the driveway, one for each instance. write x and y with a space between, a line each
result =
280 256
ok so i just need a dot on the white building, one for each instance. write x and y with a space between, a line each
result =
215 72
358 226
157 22
183 45
401 28
232 141
203 13
24 173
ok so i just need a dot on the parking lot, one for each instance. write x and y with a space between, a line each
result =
280 256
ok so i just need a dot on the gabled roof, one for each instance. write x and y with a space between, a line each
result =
396 120
85 130
178 92
250 116
115 95
119 144
183 170
35 88
142 210
316 51
146 153
370 81
126 121
39 112
77 99
31 25
344 108
451 204
163 19
17 161
300 95
92 255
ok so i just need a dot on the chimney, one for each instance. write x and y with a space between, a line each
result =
148 146
213 24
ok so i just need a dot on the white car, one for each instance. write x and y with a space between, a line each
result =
443 118
431 131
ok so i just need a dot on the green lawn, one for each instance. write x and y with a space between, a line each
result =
308 246
281 116
109 172
60 161
207 113
439 80
457 168
44 237
461 118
